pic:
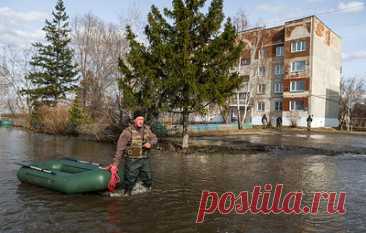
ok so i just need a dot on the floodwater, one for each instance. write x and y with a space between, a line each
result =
178 182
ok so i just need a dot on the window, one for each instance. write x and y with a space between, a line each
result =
279 51
296 105
242 96
298 66
261 71
298 85
298 46
278 106
277 87
260 106
261 88
244 86
278 69
244 61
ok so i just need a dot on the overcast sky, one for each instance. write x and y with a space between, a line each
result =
21 20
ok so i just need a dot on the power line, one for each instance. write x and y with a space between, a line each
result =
328 12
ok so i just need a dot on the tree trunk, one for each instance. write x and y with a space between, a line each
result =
238 110
246 103
185 129
245 115
225 112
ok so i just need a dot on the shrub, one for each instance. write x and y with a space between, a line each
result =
77 117
53 120
95 128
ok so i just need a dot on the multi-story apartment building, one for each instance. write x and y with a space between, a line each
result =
291 71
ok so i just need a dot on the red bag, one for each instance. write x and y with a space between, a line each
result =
114 180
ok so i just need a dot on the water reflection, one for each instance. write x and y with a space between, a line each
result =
317 136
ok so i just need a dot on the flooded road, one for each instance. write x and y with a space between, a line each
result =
178 182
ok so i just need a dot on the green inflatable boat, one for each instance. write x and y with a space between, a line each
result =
6 123
66 175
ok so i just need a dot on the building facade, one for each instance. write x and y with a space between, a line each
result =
290 71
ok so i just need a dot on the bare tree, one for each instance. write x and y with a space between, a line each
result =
255 45
240 20
135 20
257 60
13 68
353 91
98 47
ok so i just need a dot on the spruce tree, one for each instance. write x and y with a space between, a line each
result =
55 73
187 62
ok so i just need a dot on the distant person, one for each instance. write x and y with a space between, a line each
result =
279 122
264 121
308 121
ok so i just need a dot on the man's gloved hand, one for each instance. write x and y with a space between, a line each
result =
114 180
147 145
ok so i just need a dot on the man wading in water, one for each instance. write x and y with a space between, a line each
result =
134 145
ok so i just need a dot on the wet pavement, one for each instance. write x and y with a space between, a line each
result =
179 179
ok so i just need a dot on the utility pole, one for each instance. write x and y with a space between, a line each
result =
238 108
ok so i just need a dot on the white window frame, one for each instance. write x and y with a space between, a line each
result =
279 69
295 68
242 95
295 87
295 107
298 46
279 51
278 106
261 106
261 71
277 87
244 63
261 88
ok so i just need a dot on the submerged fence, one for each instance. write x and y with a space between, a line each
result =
216 127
